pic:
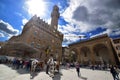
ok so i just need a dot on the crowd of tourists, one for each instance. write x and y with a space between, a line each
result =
115 72
17 63
30 65
93 67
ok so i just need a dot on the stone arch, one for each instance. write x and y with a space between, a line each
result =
73 55
85 55
101 53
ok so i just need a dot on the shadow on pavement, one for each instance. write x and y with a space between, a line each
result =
84 78
33 74
81 77
57 76
22 71
19 70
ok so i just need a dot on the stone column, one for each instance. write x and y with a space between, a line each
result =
111 53
92 55
59 58
78 54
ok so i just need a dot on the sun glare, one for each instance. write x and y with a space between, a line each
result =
36 7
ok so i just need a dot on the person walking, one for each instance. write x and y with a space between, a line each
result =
47 68
51 66
117 72
77 69
113 72
34 64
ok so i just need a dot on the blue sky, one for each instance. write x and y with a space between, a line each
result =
88 18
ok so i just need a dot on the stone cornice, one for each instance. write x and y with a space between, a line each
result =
94 38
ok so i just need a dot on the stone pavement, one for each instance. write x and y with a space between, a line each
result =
8 73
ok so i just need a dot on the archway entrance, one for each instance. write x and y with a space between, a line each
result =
101 54
85 56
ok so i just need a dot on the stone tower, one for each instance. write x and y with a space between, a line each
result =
54 17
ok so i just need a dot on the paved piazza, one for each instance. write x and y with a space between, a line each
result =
8 73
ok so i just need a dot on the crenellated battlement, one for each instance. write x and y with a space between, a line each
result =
39 21
39 35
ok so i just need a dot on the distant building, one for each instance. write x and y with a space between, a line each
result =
65 54
97 50
42 36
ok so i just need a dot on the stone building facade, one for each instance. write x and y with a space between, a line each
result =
2 44
116 46
97 50
42 36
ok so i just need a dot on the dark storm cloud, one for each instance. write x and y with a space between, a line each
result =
99 13
113 4
7 28
99 17
81 14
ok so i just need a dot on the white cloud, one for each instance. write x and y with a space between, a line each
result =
48 21
68 28
105 32
84 16
109 32
112 31
7 28
117 33
37 7
69 35
88 15
24 21
22 27
2 35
